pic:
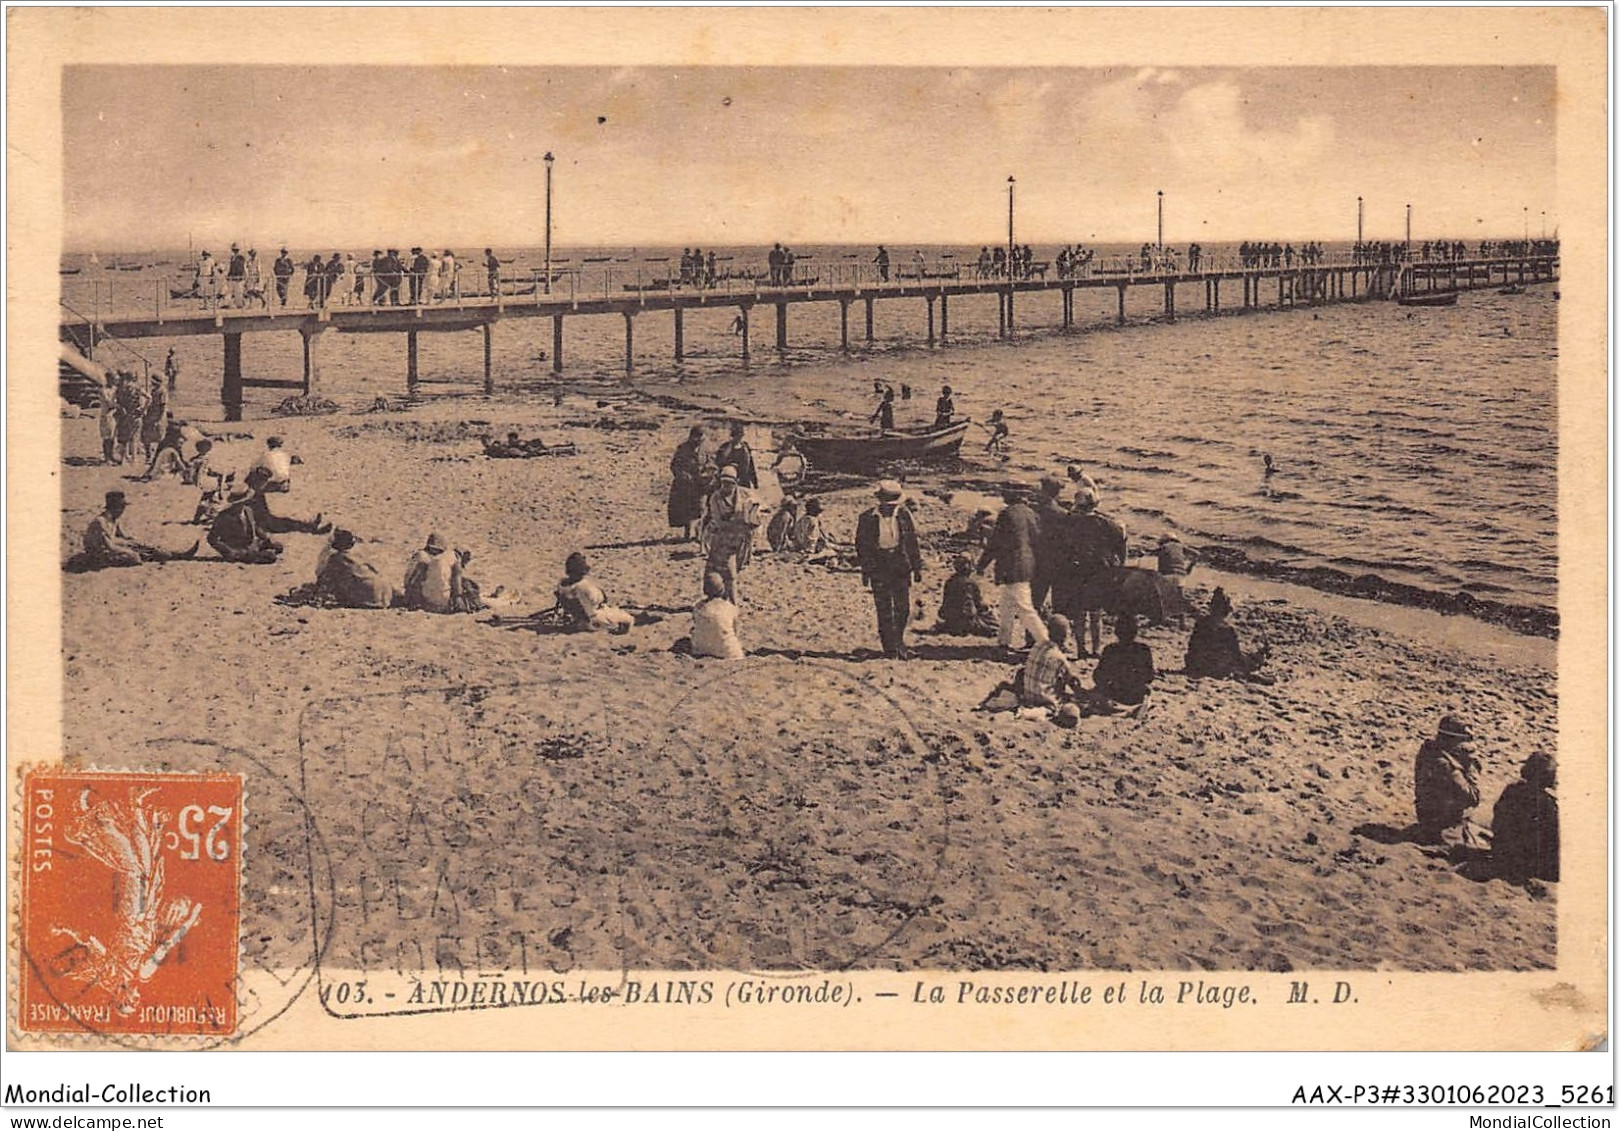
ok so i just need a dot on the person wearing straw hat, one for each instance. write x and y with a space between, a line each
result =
1445 782
235 535
346 580
890 560
730 517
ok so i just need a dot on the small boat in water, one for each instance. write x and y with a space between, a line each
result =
1511 289
68 270
1437 298
860 453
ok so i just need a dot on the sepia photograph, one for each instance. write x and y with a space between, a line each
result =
769 547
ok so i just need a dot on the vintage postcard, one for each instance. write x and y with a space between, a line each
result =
855 529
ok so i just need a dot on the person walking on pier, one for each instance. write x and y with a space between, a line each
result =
315 282
890 559
393 274
283 270
419 270
450 273
254 280
708 269
236 276
984 262
882 261
492 269
379 284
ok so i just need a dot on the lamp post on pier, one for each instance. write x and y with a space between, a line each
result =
1010 183
1358 219
548 160
1161 220
1526 223
1408 229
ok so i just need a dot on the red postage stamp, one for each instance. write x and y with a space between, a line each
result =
129 908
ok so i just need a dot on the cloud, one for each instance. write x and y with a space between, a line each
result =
1208 129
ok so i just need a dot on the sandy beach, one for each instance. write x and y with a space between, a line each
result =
813 805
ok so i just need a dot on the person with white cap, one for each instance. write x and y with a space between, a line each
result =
730 516
890 560
1445 782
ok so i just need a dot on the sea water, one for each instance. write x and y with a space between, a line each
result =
1418 445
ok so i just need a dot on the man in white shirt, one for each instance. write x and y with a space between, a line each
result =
277 462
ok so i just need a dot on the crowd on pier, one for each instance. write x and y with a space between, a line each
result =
387 278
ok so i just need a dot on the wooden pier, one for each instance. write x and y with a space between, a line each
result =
1246 289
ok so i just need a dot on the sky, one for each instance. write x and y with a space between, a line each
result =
155 156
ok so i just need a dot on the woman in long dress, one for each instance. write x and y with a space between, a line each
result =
692 472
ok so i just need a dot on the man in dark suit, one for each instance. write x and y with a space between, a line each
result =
890 560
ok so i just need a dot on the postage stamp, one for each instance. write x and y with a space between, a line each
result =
130 906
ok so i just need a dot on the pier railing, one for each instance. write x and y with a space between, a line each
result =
163 292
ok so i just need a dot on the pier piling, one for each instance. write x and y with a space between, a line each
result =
312 359
869 301
489 369
930 300
944 316
680 338
781 326
629 342
556 343
411 375
231 389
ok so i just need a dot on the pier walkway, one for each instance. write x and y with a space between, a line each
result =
1245 289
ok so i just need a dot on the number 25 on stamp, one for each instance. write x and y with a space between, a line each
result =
130 907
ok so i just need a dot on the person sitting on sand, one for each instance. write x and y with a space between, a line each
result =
714 622
779 531
106 545
345 580
1445 783
433 580
472 593
1124 671
808 536
585 604
1083 482
963 610
1213 650
513 447
258 482
1047 679
1175 558
1524 824
275 460
730 518
235 534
